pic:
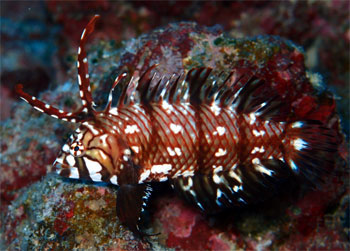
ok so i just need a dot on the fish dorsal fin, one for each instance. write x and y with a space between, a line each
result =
240 89
196 79
258 97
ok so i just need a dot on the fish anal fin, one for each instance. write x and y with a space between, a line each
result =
246 184
262 177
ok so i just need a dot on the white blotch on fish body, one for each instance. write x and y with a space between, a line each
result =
258 133
136 149
177 151
215 109
114 111
258 150
163 168
171 151
221 130
175 128
131 129
221 152
168 108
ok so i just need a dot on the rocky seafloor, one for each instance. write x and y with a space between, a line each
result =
41 210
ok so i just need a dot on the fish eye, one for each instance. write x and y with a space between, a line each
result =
77 149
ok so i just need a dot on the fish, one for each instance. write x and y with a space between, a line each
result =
220 142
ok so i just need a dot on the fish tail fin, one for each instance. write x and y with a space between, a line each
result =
311 149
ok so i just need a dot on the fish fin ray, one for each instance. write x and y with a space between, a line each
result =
131 201
311 150
215 192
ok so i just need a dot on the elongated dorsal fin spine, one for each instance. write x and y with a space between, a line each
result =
84 85
82 65
110 95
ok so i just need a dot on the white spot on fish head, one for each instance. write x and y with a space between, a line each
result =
66 165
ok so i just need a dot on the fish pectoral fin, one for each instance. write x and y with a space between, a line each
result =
131 202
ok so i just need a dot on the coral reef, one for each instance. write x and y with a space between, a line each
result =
44 210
